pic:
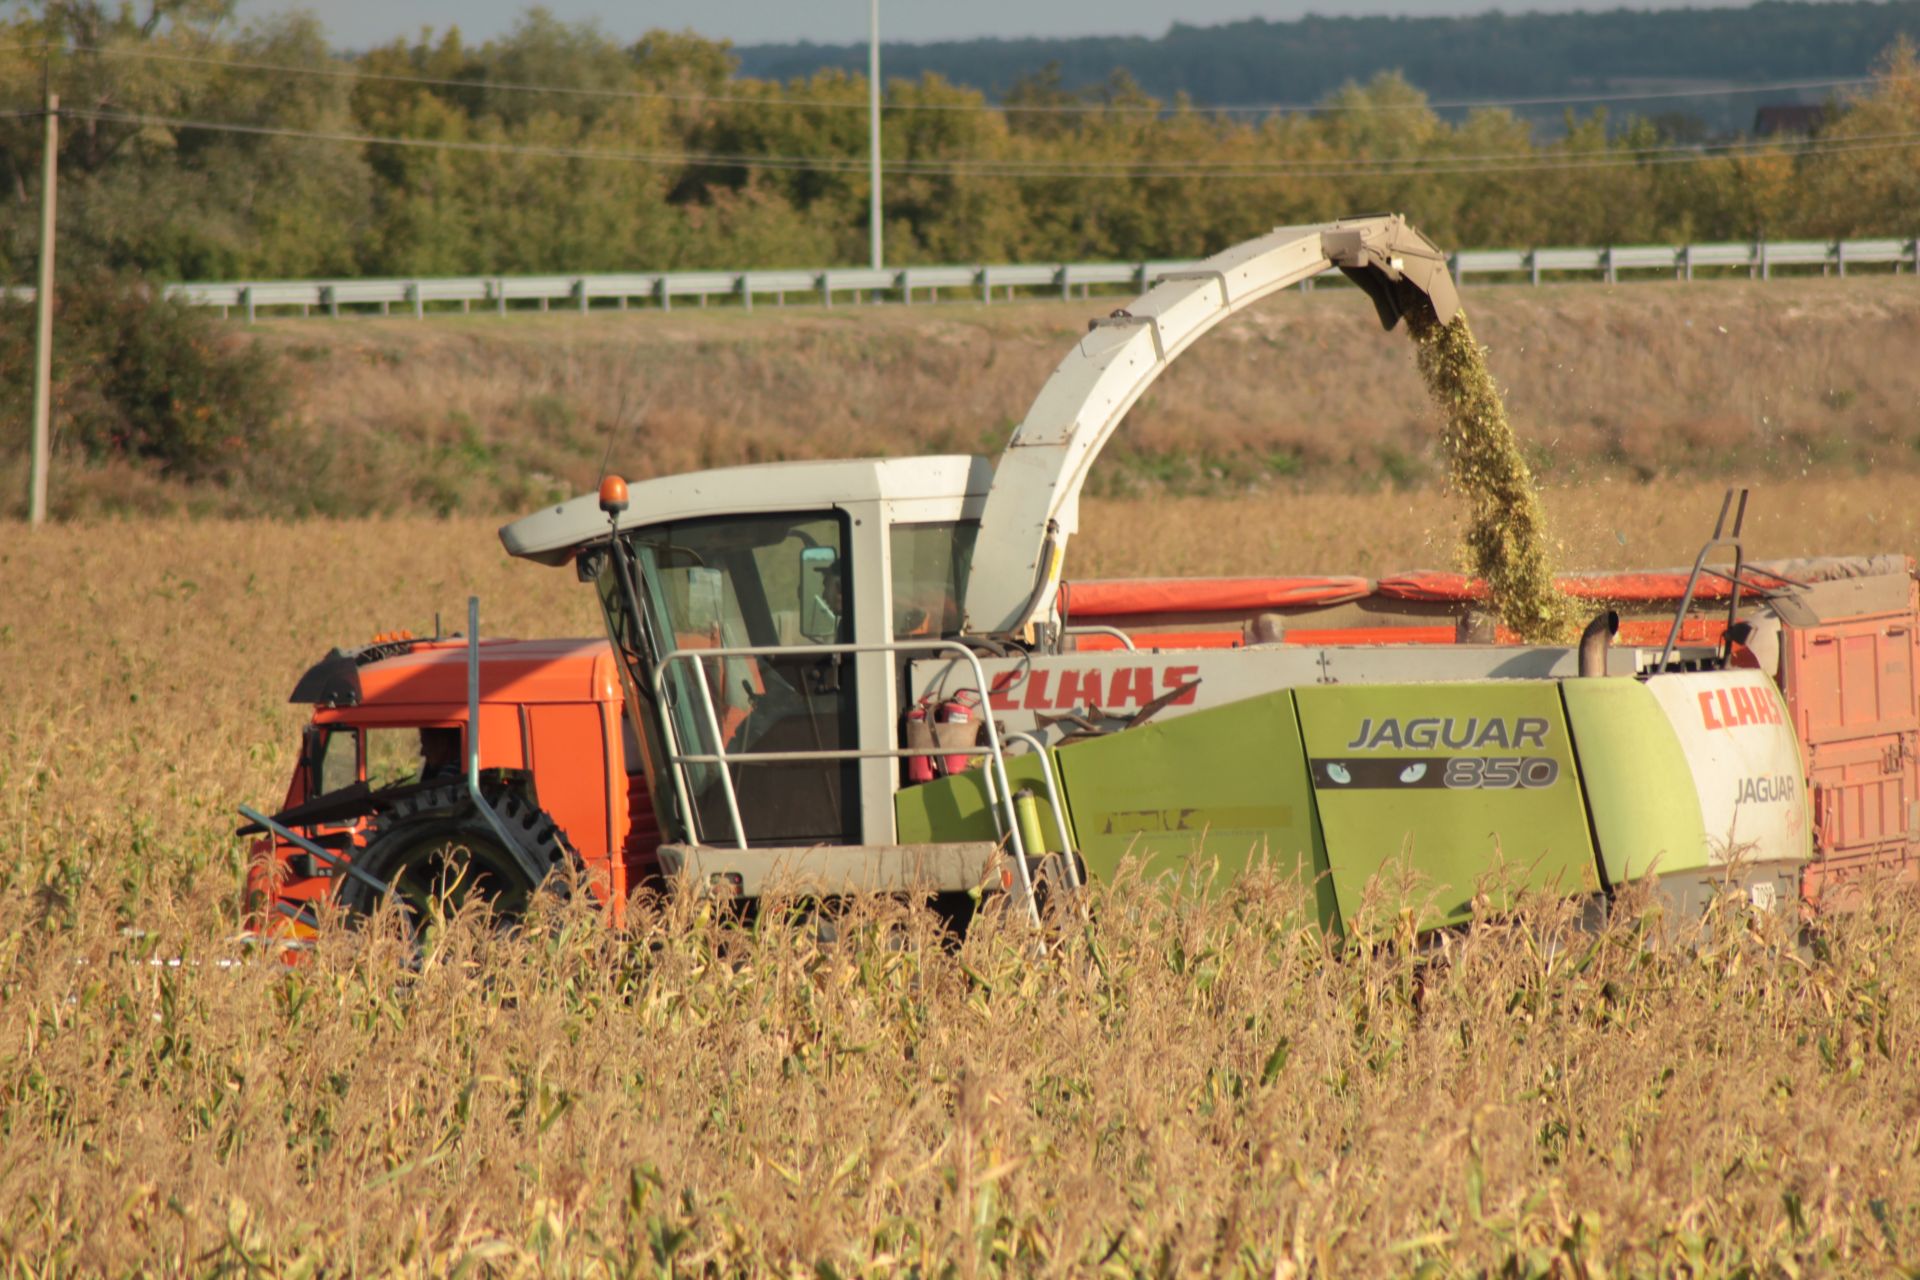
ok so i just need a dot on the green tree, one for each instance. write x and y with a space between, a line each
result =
1870 183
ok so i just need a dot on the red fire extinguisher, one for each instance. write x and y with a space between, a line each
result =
955 726
920 737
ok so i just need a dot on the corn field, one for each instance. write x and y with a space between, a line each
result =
1193 1084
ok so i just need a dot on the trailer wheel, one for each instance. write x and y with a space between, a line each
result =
437 847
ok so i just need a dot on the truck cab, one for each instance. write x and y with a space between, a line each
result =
390 719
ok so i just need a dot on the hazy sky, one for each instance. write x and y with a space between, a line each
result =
359 23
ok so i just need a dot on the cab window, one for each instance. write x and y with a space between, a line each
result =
930 563
338 760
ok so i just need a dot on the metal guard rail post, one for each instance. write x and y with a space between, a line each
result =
1009 820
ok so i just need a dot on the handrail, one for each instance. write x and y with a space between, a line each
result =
1101 629
1722 537
508 842
1008 822
1068 853
332 861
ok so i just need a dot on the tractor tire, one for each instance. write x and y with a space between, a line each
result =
437 847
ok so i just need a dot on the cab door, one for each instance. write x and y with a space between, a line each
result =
782 585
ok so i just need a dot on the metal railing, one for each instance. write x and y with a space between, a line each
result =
1069 866
1006 816
1100 629
662 290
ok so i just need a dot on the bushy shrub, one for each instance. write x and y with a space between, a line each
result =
140 378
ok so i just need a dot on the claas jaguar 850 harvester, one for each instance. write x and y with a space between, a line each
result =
871 676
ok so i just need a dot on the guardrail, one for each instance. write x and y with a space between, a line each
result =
425 295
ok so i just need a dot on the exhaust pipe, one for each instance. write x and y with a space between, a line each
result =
1595 641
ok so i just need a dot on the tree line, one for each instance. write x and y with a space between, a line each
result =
196 147
1466 57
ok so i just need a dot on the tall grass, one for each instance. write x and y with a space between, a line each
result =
1193 1086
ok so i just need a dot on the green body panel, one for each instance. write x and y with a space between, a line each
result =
1343 783
1228 783
1449 781
954 809
1639 787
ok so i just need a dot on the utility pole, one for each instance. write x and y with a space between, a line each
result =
43 339
873 133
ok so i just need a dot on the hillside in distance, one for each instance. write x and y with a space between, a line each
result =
1646 383
1491 55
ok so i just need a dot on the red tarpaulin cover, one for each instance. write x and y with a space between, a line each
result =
1145 597
1429 584
1627 588
1117 598
1149 640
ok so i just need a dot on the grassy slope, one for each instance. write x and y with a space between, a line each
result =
1714 378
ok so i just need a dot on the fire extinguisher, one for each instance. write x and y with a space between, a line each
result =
955 726
919 737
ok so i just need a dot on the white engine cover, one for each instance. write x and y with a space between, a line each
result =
1740 744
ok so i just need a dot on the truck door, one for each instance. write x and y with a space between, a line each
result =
774 582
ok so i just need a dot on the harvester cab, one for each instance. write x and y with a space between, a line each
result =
864 675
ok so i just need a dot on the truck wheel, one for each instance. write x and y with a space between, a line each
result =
436 846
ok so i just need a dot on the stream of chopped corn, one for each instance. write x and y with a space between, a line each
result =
1506 536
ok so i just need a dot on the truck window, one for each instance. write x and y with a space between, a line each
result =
930 563
339 760
393 757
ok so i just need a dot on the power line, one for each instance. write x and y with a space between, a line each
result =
996 165
1051 108
1432 166
1777 86
472 145
1388 165
1611 160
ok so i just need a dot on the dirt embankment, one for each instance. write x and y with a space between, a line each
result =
1638 381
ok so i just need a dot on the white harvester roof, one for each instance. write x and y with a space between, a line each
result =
551 536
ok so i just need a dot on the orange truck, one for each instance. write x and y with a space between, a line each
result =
381 764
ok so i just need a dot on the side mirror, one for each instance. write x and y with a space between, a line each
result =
823 594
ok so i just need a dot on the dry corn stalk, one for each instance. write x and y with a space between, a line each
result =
1506 538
